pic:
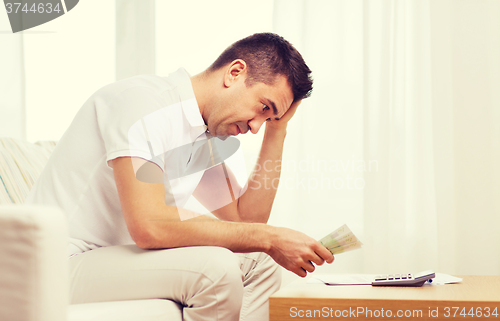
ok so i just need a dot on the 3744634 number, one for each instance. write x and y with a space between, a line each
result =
486 312
13 7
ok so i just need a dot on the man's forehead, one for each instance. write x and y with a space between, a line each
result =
282 95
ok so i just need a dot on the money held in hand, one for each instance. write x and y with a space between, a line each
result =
341 240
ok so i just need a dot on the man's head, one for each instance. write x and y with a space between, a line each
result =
253 81
268 55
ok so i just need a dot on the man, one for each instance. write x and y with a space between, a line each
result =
131 238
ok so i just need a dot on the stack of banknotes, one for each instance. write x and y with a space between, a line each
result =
341 240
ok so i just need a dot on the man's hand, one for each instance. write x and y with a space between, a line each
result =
296 251
283 122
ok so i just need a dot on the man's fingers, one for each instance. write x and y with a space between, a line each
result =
293 108
302 269
300 272
300 253
308 266
290 112
318 260
324 253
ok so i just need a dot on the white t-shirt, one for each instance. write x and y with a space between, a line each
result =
136 117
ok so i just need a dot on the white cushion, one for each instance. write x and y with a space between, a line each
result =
33 264
136 310
20 165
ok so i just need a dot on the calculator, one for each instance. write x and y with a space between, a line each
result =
406 279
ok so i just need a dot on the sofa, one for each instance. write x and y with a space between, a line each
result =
33 261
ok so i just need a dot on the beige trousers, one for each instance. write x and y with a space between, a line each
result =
211 283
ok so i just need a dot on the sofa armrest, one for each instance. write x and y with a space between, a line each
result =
33 263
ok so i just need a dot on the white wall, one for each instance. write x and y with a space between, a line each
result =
66 60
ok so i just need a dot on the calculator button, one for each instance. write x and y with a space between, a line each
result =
391 277
380 278
409 276
403 276
397 277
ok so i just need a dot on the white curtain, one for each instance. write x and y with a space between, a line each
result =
12 89
406 107
135 38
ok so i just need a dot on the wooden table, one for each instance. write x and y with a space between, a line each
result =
476 297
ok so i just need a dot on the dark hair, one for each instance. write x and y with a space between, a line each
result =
268 55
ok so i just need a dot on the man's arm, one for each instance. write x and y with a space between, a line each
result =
255 203
154 225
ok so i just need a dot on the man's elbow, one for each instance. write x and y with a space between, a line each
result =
144 238
245 215
144 242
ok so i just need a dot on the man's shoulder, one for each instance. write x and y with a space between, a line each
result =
147 85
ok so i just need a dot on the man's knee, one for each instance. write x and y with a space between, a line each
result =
219 276
276 273
271 270
222 266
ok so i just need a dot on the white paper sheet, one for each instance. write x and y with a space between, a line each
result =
366 279
442 278
342 279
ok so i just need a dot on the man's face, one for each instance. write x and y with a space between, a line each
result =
241 108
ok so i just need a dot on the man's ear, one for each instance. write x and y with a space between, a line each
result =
235 71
